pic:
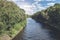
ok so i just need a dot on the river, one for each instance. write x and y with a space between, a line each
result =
38 31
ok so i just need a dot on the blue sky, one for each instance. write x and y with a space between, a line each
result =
32 6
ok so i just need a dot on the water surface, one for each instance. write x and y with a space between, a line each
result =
38 31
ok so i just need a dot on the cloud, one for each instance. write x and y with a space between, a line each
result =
30 7
50 4
24 5
37 0
43 0
27 7
38 6
49 0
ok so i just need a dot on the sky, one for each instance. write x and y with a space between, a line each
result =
32 6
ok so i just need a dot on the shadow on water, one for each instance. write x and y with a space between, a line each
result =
39 31
53 32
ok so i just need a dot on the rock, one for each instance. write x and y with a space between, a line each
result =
5 37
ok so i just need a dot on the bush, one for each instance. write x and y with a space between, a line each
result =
10 15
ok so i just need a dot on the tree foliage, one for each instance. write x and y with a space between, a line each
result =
51 15
10 14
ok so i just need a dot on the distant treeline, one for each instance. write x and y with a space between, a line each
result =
12 18
50 16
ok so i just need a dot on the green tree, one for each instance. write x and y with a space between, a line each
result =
10 14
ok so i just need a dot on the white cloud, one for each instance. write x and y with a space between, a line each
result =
43 0
38 7
49 0
24 5
37 0
50 4
32 8
27 7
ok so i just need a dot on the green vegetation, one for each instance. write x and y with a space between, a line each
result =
12 18
50 16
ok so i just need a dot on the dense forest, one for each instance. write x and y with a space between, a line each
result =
50 16
12 18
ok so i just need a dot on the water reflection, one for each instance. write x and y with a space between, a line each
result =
37 31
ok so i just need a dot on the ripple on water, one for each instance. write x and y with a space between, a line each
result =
35 31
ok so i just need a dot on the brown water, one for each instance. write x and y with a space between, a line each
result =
38 31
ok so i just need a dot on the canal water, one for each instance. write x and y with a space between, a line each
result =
38 31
